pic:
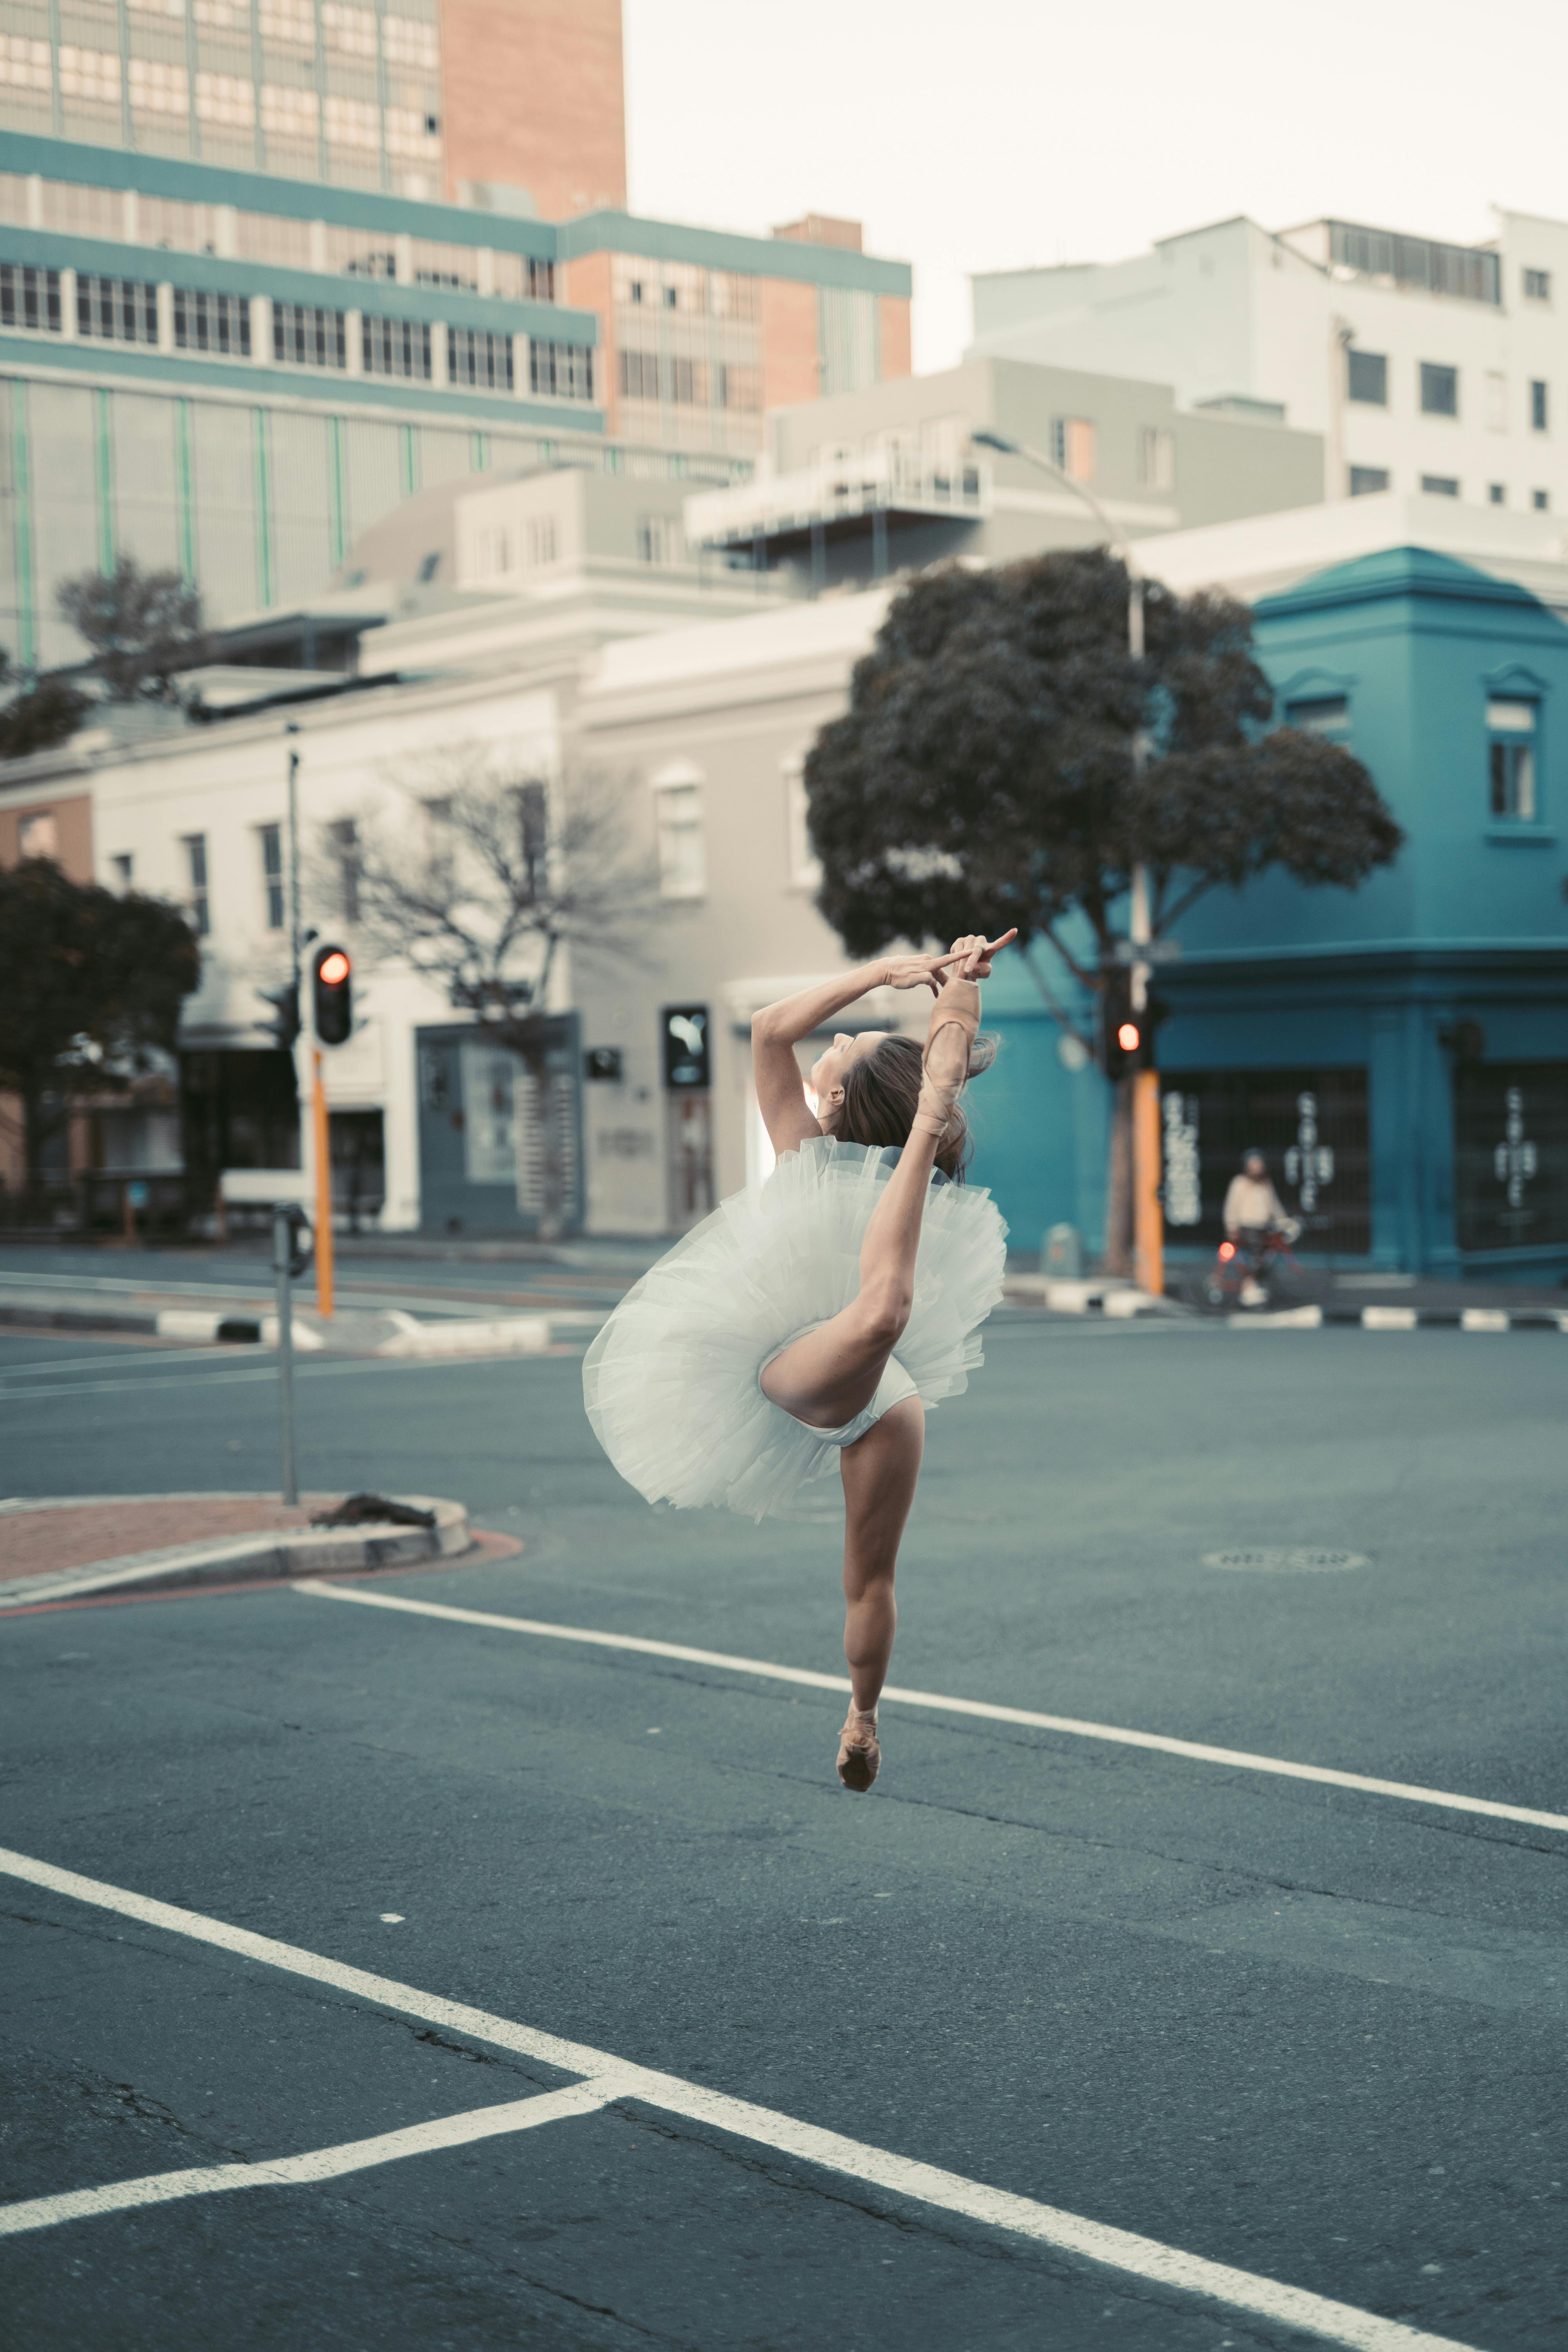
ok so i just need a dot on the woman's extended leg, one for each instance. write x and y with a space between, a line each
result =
831 1374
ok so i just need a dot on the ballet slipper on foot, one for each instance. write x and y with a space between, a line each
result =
860 1751
958 1007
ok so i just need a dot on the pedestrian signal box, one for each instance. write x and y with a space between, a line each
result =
332 993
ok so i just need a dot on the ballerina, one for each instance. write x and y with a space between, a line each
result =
816 1321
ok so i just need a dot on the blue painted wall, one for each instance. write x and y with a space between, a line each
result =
1469 926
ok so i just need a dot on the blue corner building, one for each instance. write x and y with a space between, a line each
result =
1400 1052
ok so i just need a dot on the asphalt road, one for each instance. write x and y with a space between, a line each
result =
1314 2034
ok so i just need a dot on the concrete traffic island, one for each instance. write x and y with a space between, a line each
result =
67 1548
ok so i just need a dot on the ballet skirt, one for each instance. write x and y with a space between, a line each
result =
670 1382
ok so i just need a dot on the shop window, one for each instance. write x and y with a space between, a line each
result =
1311 1128
1511 1154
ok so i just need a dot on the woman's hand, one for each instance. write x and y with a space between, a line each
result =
916 971
970 957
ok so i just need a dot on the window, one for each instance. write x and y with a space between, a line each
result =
1439 389
1541 500
343 835
446 264
195 846
116 310
1439 486
804 866
1072 447
29 298
212 322
1497 493
38 836
1511 759
123 866
1367 377
539 543
1537 405
735 387
351 32
91 77
289 24
639 375
677 820
1497 401
658 539
408 41
1538 285
1156 458
533 831
438 843
158 88
561 370
305 336
1321 714
476 356
353 122
271 839
395 347
288 113
1367 480
24 64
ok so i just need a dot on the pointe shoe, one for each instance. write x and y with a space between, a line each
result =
958 1007
860 1751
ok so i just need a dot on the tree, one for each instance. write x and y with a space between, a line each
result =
42 712
91 988
142 627
985 773
509 870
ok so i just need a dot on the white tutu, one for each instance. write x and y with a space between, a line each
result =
670 1382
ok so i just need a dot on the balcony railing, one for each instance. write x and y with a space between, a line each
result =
883 481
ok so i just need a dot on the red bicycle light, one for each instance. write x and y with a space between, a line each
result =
1227 1249
1127 1037
334 968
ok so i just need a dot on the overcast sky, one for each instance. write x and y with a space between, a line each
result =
989 134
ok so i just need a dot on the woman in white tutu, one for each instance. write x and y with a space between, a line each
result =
815 1322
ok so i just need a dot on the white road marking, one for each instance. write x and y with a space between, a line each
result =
1095 2242
266 1370
318 2164
1236 1757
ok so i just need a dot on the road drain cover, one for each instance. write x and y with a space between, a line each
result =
1273 1559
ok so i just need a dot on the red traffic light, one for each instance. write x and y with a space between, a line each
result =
331 996
1127 1036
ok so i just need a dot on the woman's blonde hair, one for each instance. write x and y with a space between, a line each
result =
881 1092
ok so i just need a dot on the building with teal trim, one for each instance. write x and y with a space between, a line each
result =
1400 1052
238 373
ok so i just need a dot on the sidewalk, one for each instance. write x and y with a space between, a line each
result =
58 1547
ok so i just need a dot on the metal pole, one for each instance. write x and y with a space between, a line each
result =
282 1258
323 1144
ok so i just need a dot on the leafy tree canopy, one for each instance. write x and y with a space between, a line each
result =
141 626
41 711
983 771
91 984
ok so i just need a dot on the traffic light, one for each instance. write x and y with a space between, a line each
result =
284 1027
331 974
1128 1037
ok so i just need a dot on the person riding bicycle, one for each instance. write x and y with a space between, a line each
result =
1252 1210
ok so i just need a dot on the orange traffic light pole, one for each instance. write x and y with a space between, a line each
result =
323 1135
1148 1220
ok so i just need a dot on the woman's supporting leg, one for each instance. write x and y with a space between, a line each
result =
880 1474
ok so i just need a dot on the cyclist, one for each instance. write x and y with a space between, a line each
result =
1252 1210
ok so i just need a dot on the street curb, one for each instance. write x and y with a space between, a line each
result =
229 1559
1403 1318
1117 1299
505 1335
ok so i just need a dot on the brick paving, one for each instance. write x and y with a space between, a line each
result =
37 1543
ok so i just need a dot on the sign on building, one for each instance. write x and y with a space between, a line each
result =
1511 1154
1310 1125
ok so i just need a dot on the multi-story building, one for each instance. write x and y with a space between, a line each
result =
236 374
889 478
1427 367
513 104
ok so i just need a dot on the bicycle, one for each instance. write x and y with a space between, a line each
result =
1241 1267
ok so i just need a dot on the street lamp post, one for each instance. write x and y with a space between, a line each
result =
1147 1220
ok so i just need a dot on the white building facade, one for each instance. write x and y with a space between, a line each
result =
1428 368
